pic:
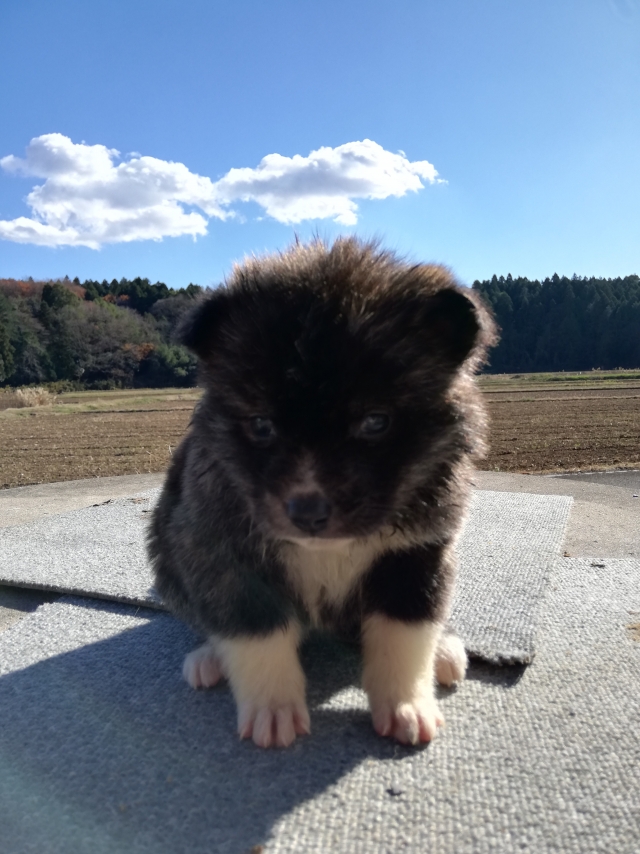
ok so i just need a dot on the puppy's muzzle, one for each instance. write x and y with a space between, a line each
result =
309 512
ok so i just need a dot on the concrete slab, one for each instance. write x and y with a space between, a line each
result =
28 503
604 520
624 479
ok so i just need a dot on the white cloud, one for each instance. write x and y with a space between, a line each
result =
324 184
88 199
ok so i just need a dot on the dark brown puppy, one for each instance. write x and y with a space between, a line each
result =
324 479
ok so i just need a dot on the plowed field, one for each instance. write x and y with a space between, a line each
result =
117 435
539 424
590 432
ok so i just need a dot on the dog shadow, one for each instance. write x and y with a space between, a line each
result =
106 749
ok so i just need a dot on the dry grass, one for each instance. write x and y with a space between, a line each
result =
26 398
538 425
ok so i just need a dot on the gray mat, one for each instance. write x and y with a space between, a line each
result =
98 551
505 554
104 750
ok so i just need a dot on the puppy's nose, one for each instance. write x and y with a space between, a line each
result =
310 513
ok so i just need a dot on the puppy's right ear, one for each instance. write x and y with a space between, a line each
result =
199 329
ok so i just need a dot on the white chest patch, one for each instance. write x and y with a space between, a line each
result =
325 571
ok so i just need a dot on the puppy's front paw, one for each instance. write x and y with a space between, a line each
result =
268 684
201 668
273 727
409 722
451 660
398 677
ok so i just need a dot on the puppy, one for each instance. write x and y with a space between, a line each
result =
324 479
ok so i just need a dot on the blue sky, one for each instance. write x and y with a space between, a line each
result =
529 113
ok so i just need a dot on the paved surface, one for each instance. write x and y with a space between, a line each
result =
28 503
605 521
623 479
605 518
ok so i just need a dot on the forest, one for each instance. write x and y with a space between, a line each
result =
96 335
121 334
563 324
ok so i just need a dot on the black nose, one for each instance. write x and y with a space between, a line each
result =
310 513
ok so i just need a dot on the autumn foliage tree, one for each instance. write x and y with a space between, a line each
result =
94 334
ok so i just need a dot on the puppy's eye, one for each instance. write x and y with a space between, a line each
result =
261 429
373 425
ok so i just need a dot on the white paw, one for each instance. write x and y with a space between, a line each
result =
410 722
202 668
273 727
451 660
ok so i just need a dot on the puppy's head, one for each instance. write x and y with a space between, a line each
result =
330 377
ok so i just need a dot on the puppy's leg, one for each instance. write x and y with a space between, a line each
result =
202 668
451 660
268 685
399 660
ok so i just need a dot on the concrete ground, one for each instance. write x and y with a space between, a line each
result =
604 521
605 518
27 503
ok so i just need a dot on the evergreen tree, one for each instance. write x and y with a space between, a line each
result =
563 324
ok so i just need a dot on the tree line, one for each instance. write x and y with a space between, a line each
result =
564 324
122 333
94 334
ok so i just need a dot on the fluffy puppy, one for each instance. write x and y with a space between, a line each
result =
324 479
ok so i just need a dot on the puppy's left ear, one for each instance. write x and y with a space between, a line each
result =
199 330
456 324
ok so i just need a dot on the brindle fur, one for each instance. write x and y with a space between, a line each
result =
315 339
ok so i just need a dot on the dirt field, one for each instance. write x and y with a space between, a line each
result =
540 423
92 435
577 431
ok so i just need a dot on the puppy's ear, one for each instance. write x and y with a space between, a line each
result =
453 324
199 329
